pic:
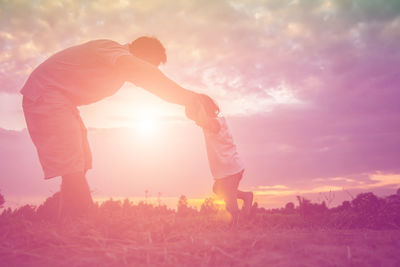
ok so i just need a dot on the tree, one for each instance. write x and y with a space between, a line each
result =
2 201
289 207
182 203
366 203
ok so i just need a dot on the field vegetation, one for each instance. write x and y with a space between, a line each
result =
361 232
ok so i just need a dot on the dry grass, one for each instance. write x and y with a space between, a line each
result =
146 236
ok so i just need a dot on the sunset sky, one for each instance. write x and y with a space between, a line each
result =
310 89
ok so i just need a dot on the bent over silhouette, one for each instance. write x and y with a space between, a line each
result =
82 75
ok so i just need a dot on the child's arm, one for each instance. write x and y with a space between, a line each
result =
207 122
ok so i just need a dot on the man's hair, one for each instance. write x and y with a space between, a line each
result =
149 49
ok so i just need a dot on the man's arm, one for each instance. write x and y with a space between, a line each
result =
150 78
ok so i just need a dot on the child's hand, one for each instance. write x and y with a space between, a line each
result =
196 112
207 122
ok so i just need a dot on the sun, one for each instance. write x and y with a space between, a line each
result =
146 125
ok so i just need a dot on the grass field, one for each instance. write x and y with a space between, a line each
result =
119 234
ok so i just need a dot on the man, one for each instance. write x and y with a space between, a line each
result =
81 75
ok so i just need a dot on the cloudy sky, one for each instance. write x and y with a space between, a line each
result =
310 90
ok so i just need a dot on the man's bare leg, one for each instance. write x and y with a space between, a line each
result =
75 197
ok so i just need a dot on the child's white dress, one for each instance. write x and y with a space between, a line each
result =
221 151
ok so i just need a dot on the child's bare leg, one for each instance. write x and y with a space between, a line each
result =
241 194
226 189
232 207
247 198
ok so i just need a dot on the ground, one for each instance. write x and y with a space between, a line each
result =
169 240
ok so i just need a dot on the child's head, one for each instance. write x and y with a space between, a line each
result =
205 102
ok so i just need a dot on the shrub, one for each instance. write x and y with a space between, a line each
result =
308 209
27 212
289 207
49 209
183 208
208 207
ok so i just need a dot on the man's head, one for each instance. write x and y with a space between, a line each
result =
148 49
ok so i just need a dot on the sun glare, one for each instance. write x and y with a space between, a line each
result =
146 126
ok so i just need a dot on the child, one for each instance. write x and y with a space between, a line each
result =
225 164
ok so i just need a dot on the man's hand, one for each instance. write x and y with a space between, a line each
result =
205 121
